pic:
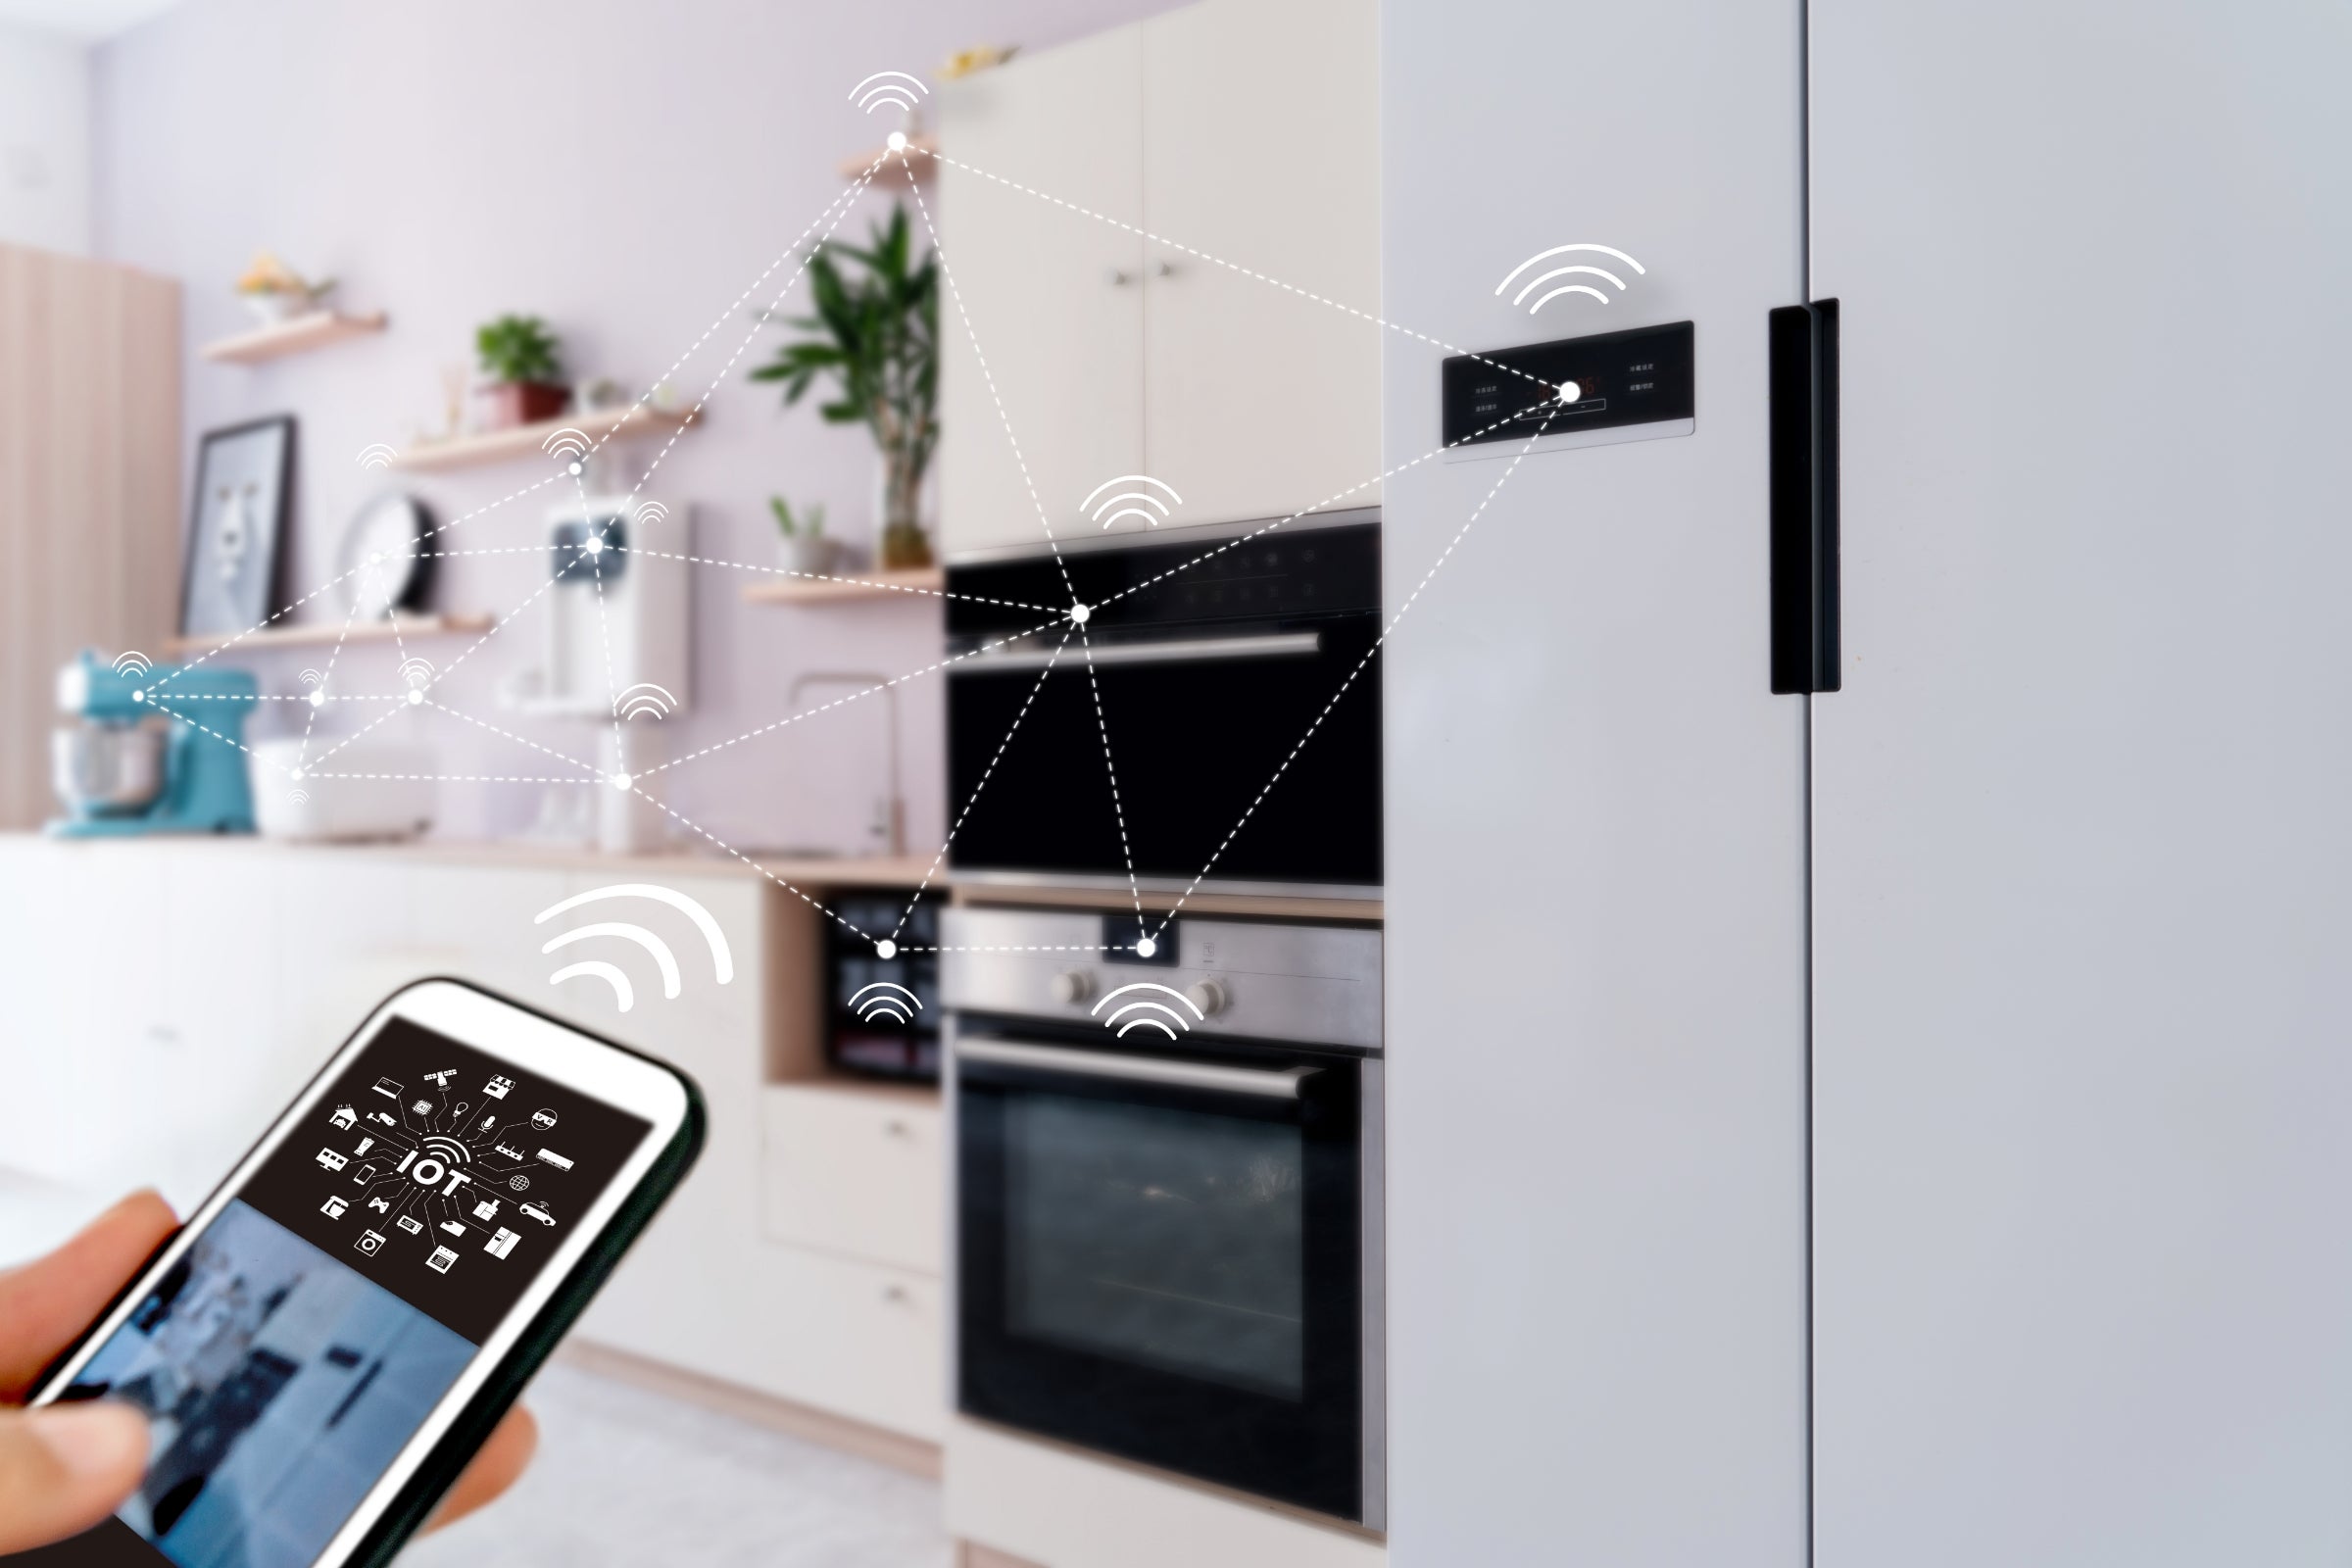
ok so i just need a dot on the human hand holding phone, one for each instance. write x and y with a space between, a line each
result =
325 1353
64 1468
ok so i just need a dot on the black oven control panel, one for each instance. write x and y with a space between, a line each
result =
1641 377
1302 569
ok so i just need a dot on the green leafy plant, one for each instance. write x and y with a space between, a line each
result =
809 525
517 349
874 339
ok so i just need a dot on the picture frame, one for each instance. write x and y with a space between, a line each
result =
236 523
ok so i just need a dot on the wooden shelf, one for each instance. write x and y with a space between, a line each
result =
925 583
296 335
526 440
922 143
313 633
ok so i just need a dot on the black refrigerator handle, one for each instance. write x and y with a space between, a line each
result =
1804 497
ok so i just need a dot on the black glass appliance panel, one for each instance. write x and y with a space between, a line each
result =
1639 376
1211 666
1169 1274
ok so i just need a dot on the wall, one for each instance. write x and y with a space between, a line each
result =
44 140
625 170
1596 1159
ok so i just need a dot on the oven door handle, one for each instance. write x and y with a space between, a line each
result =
1280 1083
1171 651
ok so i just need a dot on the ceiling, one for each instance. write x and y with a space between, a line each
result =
88 20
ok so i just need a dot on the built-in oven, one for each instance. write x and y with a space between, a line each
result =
1216 718
1168 1195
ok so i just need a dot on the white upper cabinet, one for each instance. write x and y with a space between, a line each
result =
1041 326
1234 356
1262 180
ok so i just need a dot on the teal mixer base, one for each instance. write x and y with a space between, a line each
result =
124 827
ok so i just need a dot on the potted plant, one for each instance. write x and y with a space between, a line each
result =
806 550
274 292
874 337
519 354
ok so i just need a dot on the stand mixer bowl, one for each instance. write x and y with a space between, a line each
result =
107 769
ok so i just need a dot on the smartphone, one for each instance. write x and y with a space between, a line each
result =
325 1343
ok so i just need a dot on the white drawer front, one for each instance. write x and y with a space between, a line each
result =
855 1173
871 1343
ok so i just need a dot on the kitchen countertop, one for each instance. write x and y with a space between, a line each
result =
799 870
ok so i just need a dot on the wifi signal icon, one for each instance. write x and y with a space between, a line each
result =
889 88
1149 1014
131 662
313 679
885 998
651 512
299 795
642 699
1143 501
417 671
566 445
377 454
722 961
448 1150
1570 271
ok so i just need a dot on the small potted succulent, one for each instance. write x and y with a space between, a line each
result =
520 356
274 292
806 548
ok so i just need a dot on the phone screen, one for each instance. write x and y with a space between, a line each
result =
290 1353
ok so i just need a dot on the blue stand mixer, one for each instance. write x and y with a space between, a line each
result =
134 764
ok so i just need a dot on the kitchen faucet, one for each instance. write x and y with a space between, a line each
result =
894 807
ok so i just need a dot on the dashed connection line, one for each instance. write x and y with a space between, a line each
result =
1119 811
941 857
695 827
868 691
1028 481
1377 643
1232 267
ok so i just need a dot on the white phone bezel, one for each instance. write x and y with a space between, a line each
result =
497 1028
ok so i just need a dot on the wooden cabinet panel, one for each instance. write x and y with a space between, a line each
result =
89 485
1261 149
1054 296
854 1172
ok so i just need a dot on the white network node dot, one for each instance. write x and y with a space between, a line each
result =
575 467
1570 392
596 547
897 142
318 698
416 696
886 948
138 696
1079 613
294 772
619 782
1144 947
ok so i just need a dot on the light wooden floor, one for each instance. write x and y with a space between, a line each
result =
629 1476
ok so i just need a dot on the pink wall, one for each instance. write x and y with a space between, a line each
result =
623 167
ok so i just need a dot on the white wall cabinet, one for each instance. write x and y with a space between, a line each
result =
1245 134
170 997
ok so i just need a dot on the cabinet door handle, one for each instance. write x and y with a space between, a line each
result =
894 1293
1163 268
898 1129
1116 277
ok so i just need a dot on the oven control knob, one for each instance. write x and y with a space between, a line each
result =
1208 996
1072 985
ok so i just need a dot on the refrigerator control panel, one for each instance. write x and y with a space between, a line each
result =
1572 386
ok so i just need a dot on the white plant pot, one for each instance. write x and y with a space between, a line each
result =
812 557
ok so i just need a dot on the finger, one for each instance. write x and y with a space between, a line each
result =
494 1469
64 1467
46 1302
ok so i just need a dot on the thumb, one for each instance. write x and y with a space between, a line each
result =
64 1467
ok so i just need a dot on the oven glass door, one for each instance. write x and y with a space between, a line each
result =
1199 725
1160 1258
